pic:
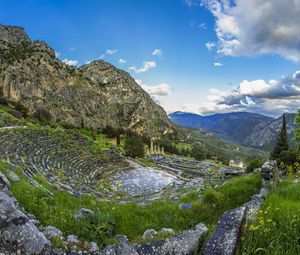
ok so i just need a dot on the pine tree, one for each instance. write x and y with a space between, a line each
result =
282 141
297 130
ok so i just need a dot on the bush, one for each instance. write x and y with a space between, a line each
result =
43 114
21 108
256 163
134 147
16 114
288 157
198 152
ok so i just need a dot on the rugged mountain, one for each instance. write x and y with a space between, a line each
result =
266 136
95 95
249 129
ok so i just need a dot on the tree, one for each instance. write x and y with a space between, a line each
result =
198 152
282 141
256 163
297 130
134 147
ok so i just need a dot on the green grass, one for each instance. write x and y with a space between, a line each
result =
277 231
131 219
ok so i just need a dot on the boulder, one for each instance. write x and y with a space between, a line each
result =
93 247
27 237
225 240
83 213
51 232
9 214
72 240
185 206
268 168
167 231
12 176
3 180
16 231
184 243
149 233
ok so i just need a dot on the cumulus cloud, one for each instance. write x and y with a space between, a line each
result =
70 62
157 52
256 27
273 96
108 52
122 61
162 89
147 65
217 64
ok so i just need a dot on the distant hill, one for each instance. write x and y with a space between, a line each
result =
245 128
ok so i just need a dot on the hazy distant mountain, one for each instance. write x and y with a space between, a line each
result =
250 129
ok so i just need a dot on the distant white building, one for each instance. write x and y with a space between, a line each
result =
236 163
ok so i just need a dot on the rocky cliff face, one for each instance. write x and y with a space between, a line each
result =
95 95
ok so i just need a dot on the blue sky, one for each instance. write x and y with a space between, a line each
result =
183 74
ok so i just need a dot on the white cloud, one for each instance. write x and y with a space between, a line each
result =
256 27
217 64
122 61
210 45
157 52
272 97
72 49
88 62
162 89
201 25
111 52
70 62
147 65
108 52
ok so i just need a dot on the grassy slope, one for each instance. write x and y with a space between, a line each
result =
277 231
218 146
130 219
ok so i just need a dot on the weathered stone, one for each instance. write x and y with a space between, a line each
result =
3 180
149 233
9 213
83 213
225 240
72 240
122 238
268 168
167 231
93 247
185 206
12 176
185 243
27 237
51 232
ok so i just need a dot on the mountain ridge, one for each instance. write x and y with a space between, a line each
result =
245 128
95 95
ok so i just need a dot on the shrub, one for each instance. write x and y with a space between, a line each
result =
256 163
21 108
134 147
288 157
16 114
43 114
198 152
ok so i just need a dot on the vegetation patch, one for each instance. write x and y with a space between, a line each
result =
277 229
111 218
